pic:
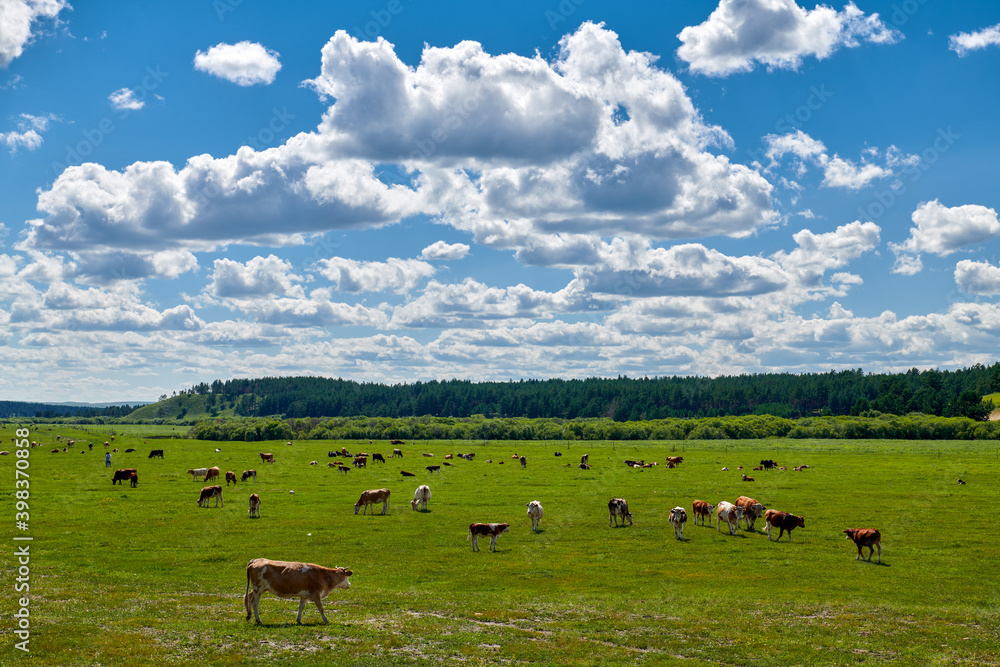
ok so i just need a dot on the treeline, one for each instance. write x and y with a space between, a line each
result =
623 399
11 409
911 427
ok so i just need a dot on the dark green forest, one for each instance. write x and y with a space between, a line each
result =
850 392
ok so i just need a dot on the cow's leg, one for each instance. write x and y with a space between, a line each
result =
255 601
474 543
879 545
319 605
768 531
302 605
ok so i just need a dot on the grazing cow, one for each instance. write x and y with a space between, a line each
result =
266 457
305 581
122 475
751 510
730 513
676 460
617 507
130 450
535 513
583 466
254 510
524 462
436 469
678 517
407 474
768 464
197 472
210 492
230 477
371 498
748 479
784 522
420 497
585 458
396 454
378 457
211 473
701 510
156 453
864 537
491 530
247 474
133 480
360 461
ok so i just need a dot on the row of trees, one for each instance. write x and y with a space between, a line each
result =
623 399
911 427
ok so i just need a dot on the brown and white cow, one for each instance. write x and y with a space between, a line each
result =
730 513
230 477
676 460
678 517
210 492
254 506
396 454
211 473
266 457
585 458
491 530
524 461
373 497
305 581
122 475
783 521
752 510
133 480
701 510
748 479
360 461
535 513
247 474
864 537
618 507
420 497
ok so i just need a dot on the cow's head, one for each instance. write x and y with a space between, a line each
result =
800 521
338 578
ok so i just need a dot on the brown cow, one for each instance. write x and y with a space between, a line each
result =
360 461
407 474
748 479
676 460
491 530
210 492
133 480
211 473
865 537
305 581
122 475
230 477
702 510
266 457
254 505
371 498
784 522
752 510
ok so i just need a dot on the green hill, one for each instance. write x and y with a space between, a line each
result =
187 407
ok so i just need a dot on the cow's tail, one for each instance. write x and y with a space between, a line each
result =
470 534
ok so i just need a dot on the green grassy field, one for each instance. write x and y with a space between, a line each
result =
145 577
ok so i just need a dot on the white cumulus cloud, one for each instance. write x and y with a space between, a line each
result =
393 275
964 42
442 250
775 33
18 18
244 63
124 99
977 277
838 172
941 230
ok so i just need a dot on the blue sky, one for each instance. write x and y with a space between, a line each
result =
395 191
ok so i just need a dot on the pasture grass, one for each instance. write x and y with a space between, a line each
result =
145 577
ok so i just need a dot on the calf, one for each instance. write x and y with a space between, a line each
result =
230 477
420 497
156 453
197 472
618 507
266 457
378 457
247 474
407 474
342 468
396 454
491 530
133 481
254 510
748 479
123 475
211 473
784 522
210 492
585 458
678 517
305 581
371 498
360 461
524 462
535 513
751 510
863 537
701 510
730 513
436 469
583 466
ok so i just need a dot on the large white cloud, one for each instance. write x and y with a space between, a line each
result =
977 277
775 33
442 250
261 276
941 230
964 42
244 63
18 18
393 275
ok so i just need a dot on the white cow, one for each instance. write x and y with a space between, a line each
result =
198 472
730 513
420 497
535 513
678 517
